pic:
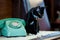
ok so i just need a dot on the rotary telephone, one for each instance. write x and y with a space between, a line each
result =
13 27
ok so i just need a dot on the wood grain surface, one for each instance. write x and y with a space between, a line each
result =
5 9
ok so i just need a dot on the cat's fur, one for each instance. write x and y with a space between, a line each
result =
31 22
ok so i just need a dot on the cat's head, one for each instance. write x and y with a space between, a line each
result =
38 11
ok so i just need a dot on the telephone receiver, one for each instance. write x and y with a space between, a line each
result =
2 21
12 27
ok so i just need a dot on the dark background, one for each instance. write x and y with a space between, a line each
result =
15 8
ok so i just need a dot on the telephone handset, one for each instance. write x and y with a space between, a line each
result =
12 22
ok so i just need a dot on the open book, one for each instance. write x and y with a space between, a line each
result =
46 35
49 34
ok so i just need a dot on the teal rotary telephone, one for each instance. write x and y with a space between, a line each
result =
13 27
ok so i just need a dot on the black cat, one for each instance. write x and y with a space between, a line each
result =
31 19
